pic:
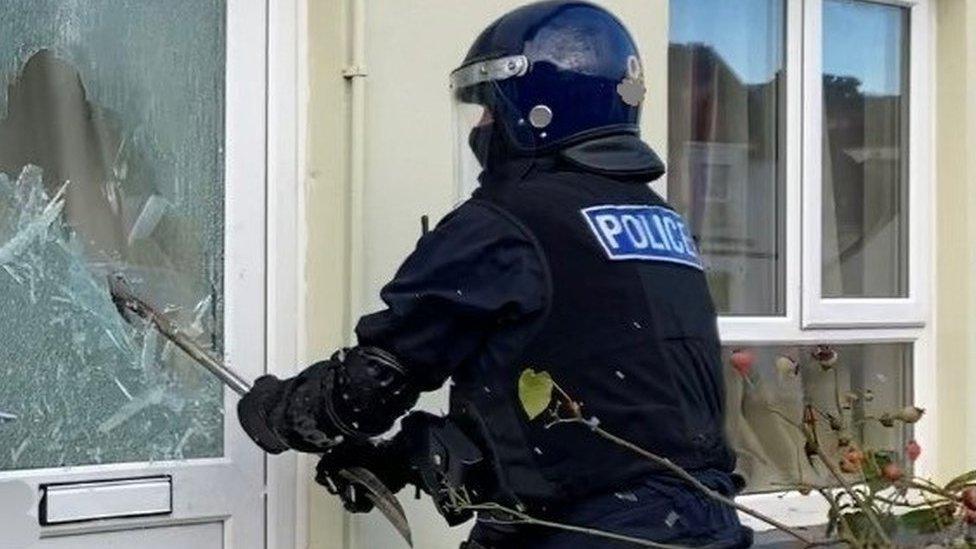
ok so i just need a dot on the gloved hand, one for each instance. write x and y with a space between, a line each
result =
288 414
385 459
255 409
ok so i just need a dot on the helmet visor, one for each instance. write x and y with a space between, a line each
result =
474 127
483 117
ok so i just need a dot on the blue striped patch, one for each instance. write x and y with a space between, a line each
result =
648 233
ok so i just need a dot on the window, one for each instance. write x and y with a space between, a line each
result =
798 138
865 153
870 380
137 135
726 69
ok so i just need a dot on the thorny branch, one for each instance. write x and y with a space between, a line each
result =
576 416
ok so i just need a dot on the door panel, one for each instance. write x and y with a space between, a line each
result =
125 101
132 140
197 536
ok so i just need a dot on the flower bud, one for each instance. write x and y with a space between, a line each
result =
969 498
742 361
786 366
892 472
910 414
912 450
826 356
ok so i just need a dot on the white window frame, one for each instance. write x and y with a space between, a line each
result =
808 318
820 312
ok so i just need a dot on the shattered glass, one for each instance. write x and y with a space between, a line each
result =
111 160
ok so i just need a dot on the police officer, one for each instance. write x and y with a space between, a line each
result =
564 260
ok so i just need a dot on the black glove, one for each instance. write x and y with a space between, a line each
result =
282 415
255 409
385 459
356 394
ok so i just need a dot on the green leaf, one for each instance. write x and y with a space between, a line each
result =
961 480
862 528
535 391
928 520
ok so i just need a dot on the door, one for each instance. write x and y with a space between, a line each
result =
132 140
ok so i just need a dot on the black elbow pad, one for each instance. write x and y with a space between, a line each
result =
370 390
359 393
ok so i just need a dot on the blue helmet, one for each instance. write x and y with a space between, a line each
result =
552 74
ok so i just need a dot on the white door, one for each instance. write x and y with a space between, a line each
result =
153 112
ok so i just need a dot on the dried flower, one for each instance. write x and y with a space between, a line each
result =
910 414
809 416
969 498
912 450
855 456
849 466
892 472
826 356
742 361
786 366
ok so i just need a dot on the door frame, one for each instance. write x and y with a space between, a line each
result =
287 84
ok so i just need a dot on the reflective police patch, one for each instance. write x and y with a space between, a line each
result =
649 233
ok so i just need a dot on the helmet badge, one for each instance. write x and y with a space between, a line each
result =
631 89
540 116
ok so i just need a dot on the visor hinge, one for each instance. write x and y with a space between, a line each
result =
354 71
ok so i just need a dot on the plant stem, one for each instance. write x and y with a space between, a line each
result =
868 510
840 408
841 517
528 519
932 488
687 477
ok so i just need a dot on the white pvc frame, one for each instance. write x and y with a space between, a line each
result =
819 312
286 481
808 318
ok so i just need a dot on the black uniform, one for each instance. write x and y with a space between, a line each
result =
564 261
569 264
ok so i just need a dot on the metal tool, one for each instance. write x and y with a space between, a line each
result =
129 304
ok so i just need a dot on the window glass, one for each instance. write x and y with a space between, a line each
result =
726 98
111 135
868 381
865 150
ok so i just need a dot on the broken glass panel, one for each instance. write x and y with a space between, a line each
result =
111 160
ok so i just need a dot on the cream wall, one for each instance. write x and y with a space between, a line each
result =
956 233
410 47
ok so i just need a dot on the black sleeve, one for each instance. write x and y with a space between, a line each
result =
474 271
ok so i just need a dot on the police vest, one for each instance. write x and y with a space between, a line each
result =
630 333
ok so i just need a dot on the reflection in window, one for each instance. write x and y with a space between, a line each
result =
726 78
111 132
865 150
870 380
